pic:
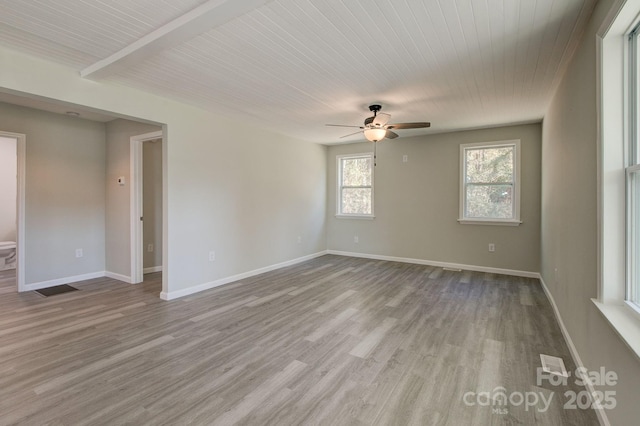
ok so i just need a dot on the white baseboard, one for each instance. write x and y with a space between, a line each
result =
152 269
118 277
600 412
222 281
61 281
488 269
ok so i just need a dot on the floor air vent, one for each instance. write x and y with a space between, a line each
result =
553 365
59 289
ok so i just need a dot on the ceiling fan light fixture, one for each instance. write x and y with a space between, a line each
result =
375 134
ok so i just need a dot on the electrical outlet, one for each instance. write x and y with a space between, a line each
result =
79 253
150 248
356 239
212 256
492 247
405 158
299 239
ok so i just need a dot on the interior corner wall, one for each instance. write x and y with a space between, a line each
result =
118 197
569 223
64 193
416 203
152 203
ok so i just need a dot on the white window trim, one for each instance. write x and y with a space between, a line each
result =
516 184
339 214
613 114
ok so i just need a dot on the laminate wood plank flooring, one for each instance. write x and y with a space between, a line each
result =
332 341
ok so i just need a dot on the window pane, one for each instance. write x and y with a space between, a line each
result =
356 172
356 200
490 165
634 232
489 201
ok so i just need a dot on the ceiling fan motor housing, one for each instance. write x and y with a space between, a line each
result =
374 109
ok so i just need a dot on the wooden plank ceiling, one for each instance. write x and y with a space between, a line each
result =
294 65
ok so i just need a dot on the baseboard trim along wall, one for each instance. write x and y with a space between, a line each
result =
152 269
64 280
222 281
488 269
600 412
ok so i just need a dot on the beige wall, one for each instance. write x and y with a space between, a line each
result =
569 215
118 239
65 194
8 187
152 202
416 203
245 194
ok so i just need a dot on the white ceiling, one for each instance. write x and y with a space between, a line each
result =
295 65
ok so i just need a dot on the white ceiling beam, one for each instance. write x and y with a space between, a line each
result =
199 20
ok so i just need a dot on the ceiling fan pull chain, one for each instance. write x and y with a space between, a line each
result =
375 162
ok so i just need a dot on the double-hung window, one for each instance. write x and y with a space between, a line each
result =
632 171
489 183
619 172
355 185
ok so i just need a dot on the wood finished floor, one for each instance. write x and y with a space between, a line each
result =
333 341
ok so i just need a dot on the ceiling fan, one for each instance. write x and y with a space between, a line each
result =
376 128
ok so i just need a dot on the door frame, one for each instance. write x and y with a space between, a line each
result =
21 141
136 193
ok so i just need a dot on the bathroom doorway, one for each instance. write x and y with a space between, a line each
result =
11 211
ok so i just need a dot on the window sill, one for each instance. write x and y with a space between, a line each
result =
624 322
489 222
355 216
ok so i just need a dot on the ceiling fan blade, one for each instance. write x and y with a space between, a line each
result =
381 119
391 135
350 134
408 125
343 125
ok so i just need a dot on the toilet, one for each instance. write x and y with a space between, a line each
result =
7 255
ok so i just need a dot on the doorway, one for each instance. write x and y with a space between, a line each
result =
147 238
12 158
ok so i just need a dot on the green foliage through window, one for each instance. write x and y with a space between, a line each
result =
489 182
355 176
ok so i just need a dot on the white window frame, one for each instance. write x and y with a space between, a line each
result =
515 219
339 186
632 163
615 117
